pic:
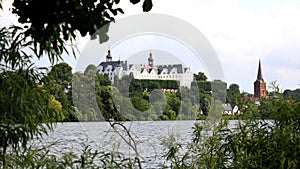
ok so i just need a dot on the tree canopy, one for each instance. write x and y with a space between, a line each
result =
233 95
200 76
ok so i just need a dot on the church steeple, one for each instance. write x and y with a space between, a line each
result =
259 84
259 73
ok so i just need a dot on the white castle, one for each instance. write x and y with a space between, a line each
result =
139 71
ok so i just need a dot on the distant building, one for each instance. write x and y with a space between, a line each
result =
229 109
150 71
260 84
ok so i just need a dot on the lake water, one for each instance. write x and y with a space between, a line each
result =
99 135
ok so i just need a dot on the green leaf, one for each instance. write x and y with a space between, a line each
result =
147 5
135 1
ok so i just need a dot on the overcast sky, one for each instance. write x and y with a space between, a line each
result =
241 32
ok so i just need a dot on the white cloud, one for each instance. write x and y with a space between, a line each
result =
241 32
243 35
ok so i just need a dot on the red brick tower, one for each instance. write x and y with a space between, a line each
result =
259 84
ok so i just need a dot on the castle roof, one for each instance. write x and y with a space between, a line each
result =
114 64
170 67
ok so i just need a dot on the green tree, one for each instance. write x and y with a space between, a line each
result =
59 82
205 102
292 94
24 104
92 94
200 76
173 107
251 143
233 95
250 110
274 89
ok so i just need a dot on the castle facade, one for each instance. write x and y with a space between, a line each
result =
146 71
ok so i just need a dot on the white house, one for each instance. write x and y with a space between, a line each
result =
230 109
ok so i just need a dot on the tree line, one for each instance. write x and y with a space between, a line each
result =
90 96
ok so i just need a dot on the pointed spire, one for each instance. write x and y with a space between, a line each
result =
259 84
259 74
150 60
150 57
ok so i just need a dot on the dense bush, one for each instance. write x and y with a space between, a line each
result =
252 143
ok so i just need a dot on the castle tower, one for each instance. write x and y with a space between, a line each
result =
259 84
108 56
150 60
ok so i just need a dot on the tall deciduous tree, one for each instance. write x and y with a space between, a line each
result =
59 82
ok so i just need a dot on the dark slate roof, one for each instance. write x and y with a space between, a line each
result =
114 64
160 68
134 65
130 66
170 67
159 71
150 70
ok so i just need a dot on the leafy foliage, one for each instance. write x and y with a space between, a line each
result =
292 94
250 143
59 82
200 76
13 46
58 21
207 85
233 95
22 117
36 157
25 105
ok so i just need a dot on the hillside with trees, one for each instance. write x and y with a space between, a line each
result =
97 99
33 99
